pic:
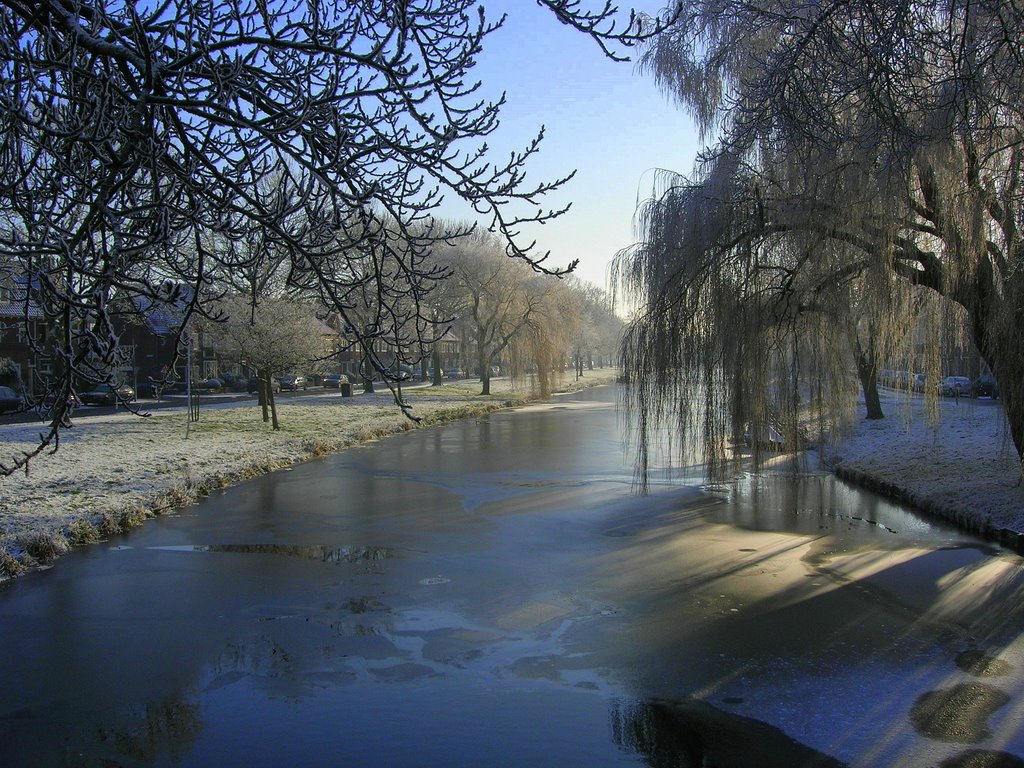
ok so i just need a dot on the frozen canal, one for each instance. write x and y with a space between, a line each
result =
493 593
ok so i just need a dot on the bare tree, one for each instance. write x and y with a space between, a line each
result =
135 140
274 337
599 331
864 153
501 303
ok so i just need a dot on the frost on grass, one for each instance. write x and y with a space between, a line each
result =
112 472
961 467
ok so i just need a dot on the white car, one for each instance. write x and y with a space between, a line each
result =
956 385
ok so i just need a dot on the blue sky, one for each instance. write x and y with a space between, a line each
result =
601 118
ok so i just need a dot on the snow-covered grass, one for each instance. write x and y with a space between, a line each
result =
113 472
961 466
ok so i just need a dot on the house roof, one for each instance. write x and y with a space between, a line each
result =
17 312
20 286
162 318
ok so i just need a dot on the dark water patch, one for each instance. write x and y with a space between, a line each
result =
981 664
541 484
169 727
693 734
959 713
404 673
323 554
361 605
982 758
25 713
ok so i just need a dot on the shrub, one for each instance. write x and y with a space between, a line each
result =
45 548
82 532
9 566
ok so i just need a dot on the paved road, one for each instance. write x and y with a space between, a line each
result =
178 401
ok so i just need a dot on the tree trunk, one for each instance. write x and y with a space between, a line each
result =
273 408
1007 364
262 388
996 320
869 384
364 368
485 374
484 361
867 371
435 360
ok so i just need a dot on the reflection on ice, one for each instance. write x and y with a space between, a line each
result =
319 553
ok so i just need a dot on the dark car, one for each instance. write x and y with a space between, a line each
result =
293 382
108 394
10 400
985 386
335 380
252 385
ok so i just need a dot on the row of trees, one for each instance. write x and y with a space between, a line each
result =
501 310
864 157
145 147
535 323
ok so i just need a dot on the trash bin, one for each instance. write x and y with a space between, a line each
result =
346 389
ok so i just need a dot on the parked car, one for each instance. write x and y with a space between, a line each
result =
293 382
108 394
229 381
403 373
956 385
985 386
208 386
455 373
253 384
335 380
10 400
918 382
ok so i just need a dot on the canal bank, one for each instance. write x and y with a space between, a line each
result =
957 464
112 472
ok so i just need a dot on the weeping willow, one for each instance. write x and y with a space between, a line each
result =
861 202
764 311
